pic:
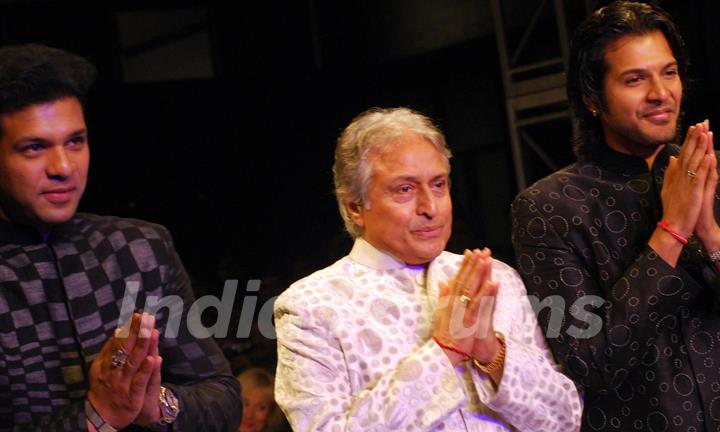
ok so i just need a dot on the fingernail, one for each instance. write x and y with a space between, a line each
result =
146 326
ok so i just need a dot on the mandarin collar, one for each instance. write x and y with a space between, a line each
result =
623 163
369 256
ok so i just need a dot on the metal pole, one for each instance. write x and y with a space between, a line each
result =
515 143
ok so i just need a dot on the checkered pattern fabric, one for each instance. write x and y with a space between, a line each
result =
60 301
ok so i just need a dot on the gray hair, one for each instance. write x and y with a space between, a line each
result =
368 133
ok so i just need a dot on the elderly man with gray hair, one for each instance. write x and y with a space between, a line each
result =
400 335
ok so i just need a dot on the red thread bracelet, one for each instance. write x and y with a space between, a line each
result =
451 348
662 224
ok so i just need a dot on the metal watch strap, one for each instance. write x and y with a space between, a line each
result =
497 362
169 410
96 419
714 256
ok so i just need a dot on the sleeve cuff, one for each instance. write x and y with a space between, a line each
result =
451 394
522 375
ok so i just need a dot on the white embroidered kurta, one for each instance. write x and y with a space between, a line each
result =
355 353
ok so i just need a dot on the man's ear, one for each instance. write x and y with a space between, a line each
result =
355 211
591 106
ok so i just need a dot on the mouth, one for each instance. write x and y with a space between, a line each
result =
660 116
429 231
60 195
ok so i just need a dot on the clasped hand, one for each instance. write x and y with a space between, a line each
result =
463 319
128 391
690 182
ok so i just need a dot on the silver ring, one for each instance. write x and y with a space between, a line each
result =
691 173
118 359
464 299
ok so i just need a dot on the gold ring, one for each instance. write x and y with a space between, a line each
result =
691 173
464 299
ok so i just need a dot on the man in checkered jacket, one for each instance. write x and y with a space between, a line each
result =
64 365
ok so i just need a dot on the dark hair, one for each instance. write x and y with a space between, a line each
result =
33 73
587 66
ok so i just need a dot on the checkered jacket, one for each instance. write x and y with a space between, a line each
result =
60 301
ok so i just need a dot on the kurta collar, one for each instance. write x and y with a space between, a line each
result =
368 255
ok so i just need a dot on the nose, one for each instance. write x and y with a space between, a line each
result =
248 411
426 203
59 165
658 92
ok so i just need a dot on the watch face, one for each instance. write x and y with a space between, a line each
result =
714 256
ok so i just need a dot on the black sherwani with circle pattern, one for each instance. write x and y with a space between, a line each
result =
652 358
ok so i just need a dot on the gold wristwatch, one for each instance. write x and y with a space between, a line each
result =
497 362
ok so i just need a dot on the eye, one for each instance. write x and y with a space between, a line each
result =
671 73
33 147
403 192
634 79
77 141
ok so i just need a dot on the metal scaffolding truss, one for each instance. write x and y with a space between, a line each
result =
535 90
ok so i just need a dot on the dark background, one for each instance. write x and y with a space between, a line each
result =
219 120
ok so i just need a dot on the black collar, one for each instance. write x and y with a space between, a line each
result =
23 235
623 163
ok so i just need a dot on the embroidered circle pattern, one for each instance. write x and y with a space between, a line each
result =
355 352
